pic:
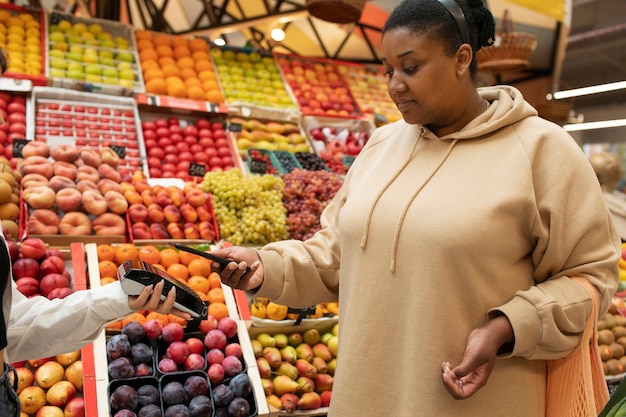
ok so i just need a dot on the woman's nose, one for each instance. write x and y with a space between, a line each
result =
395 84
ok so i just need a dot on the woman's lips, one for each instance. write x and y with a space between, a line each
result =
404 105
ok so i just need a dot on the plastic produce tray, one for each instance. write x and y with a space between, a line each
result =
109 61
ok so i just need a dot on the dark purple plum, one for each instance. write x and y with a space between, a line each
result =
177 410
134 331
238 407
150 410
121 368
196 385
143 369
148 394
200 406
173 393
117 346
125 413
124 397
222 395
240 385
141 353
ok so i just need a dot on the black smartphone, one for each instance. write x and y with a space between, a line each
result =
222 261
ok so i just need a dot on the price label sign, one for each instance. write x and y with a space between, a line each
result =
235 127
119 150
196 170
18 145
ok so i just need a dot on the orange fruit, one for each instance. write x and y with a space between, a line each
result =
156 86
186 257
207 75
178 40
144 44
116 325
187 73
136 316
178 271
177 90
216 295
195 92
199 266
185 62
191 81
169 256
164 51
200 55
218 310
175 319
203 65
215 96
149 253
214 280
161 39
106 280
199 283
209 85
107 269
148 54
153 73
198 44
170 70
202 295
148 65
105 252
143 34
181 51
166 60
153 315
124 252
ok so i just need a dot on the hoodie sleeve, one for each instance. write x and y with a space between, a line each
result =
575 236
39 327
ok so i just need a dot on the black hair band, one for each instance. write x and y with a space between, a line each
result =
459 18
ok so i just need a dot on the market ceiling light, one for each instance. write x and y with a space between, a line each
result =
278 34
595 125
594 89
219 41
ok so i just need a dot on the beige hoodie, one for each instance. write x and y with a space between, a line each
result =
428 235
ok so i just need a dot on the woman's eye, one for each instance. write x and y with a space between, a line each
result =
388 73
410 70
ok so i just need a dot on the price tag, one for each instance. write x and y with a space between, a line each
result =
235 127
18 145
196 170
119 150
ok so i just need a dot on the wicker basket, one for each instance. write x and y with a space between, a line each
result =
336 11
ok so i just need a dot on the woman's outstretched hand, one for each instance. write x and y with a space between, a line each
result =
234 274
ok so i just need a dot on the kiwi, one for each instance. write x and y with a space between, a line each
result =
622 341
609 319
605 337
620 320
618 350
605 352
601 325
614 366
619 331
623 361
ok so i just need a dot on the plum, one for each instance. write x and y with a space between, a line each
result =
222 395
148 394
134 331
238 407
232 366
124 397
150 410
117 346
125 413
174 393
143 369
167 365
177 410
240 385
196 385
141 353
221 412
121 368
200 406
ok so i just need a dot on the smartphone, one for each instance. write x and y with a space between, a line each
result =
135 275
222 261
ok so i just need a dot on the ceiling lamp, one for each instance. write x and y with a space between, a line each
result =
336 11
594 89
219 41
278 34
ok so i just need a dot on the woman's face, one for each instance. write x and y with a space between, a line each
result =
421 78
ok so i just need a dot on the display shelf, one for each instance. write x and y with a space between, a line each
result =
92 55
180 104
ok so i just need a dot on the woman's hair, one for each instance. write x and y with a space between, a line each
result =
432 18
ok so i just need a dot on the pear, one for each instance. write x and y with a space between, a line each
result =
332 364
322 351
280 340
274 401
288 369
310 401
289 401
265 370
320 365
333 345
335 330
283 385
305 368
294 339
323 382
326 337
311 337
304 351
266 340
306 384
268 386
272 355
257 348
289 354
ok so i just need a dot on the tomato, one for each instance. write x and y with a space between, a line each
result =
205 133
206 142
170 158
176 138
167 167
227 161
17 128
195 148
162 132
156 152
219 134
154 162
211 152
217 126
183 166
203 124
163 142
148 126
175 128
190 130
216 161
182 147
155 172
173 121
161 123
223 151
221 142
149 143
201 158
185 156
170 149
190 140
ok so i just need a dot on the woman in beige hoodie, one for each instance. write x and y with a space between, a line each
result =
452 240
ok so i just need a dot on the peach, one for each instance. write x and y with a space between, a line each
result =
36 164
138 212
155 213
188 213
84 185
141 185
172 214
41 196
109 157
141 230
196 197
31 180
58 182
64 152
90 157
106 184
107 171
204 215
43 222
175 231
33 148
116 202
65 169
109 224
163 198
127 186
94 202
87 172
133 197
178 196
28 286
159 231
139 175
207 230
148 197
191 231
75 223
68 199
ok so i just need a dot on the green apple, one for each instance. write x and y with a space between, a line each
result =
127 74
125 56
109 72
90 59
77 49
61 46
109 62
73 56
76 39
121 42
56 73
65 25
105 53
58 63
74 66
219 60
75 74
93 69
90 42
124 66
56 37
122 82
80 27
56 53
107 43
94 29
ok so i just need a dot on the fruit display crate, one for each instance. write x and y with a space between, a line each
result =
318 87
253 85
23 42
368 86
185 144
94 55
91 120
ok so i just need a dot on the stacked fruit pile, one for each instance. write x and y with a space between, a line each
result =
71 191
268 135
100 53
9 199
262 308
51 387
611 332
177 66
249 77
13 109
20 39
297 368
248 208
185 148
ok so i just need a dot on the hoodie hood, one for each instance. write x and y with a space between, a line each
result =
506 107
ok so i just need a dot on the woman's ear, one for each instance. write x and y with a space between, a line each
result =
464 56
